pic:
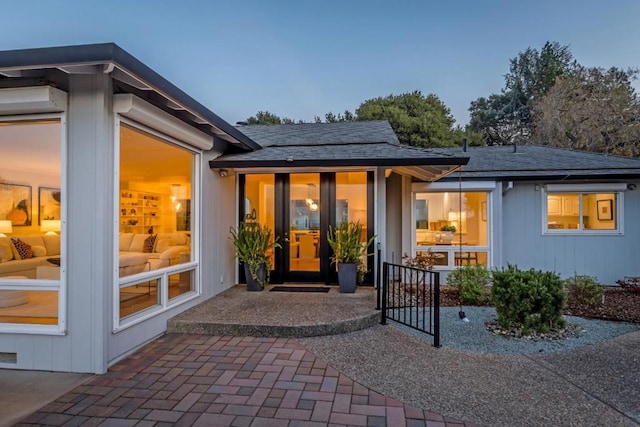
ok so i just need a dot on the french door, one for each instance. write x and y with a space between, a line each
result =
299 208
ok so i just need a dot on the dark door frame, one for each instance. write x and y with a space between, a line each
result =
327 273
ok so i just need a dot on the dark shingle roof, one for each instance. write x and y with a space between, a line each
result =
321 133
333 144
535 161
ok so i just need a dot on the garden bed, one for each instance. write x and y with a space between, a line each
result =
622 305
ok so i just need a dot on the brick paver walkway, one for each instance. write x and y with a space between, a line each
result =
228 381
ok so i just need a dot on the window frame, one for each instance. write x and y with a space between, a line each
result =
487 188
162 274
580 190
39 284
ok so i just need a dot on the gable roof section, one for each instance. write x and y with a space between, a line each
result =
529 162
340 145
321 133
109 58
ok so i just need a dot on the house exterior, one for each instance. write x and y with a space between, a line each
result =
118 190
114 219
540 207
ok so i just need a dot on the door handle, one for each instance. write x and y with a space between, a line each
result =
286 237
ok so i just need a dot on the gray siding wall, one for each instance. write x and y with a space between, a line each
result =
609 258
393 223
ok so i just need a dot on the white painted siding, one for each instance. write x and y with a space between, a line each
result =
609 258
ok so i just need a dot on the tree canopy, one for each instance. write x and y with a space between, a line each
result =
506 117
423 121
418 120
267 118
591 109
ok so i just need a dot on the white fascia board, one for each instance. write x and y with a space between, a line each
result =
572 188
454 186
26 100
142 112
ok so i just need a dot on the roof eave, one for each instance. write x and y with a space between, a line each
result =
111 56
292 163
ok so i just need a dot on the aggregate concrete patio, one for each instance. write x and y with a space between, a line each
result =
238 312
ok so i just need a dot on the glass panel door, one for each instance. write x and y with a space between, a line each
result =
304 222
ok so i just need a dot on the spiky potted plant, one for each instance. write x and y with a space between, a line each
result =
254 247
348 253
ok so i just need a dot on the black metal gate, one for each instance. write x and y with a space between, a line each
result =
411 296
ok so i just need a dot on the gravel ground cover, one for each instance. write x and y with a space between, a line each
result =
474 336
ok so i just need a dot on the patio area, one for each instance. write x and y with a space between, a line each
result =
238 312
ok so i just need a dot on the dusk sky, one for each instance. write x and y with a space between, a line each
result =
300 58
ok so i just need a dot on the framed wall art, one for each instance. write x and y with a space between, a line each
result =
605 210
48 203
15 204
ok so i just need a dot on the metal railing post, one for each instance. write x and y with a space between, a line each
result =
378 290
385 277
436 307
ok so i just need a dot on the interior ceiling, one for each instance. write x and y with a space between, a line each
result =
30 146
146 158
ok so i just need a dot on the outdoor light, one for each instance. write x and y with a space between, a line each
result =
223 172
5 227
50 226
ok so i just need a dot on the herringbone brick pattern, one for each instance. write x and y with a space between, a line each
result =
228 381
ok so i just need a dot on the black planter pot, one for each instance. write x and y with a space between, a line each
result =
347 276
254 285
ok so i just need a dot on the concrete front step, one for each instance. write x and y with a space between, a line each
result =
237 312
280 331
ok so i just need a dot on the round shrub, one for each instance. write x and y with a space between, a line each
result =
471 281
584 290
531 300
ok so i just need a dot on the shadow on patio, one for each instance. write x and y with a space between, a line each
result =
279 314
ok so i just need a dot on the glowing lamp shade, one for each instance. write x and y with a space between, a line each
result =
5 227
50 226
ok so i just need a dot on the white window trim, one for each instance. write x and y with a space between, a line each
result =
45 285
162 274
618 188
136 109
475 187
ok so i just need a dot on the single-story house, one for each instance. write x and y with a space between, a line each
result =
114 221
118 190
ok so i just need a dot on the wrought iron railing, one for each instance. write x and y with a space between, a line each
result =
411 296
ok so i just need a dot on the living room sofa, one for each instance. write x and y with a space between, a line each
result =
166 250
43 248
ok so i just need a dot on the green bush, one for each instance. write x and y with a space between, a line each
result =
471 281
531 300
584 290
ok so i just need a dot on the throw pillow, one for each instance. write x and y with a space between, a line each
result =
24 250
6 254
149 243
39 250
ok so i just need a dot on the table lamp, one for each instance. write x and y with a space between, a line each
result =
5 227
50 226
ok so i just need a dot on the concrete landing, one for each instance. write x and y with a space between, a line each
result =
238 312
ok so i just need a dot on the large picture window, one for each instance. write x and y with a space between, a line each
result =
452 227
584 210
156 206
32 224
